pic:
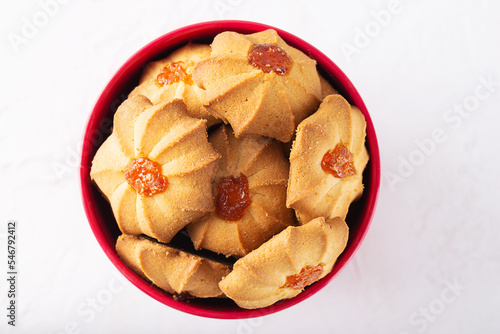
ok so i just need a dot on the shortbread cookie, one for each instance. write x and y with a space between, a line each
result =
250 195
171 78
171 269
156 168
282 267
327 161
259 84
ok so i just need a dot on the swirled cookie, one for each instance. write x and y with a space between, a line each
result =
250 195
259 84
327 161
156 168
171 269
171 78
283 266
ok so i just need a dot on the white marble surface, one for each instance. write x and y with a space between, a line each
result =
431 261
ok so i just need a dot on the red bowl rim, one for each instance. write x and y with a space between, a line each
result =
174 39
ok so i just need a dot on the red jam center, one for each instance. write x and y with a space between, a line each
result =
173 72
307 276
338 162
145 177
232 197
270 58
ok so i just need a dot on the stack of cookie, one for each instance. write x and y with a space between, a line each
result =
242 146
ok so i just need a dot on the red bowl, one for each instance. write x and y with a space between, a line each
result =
99 213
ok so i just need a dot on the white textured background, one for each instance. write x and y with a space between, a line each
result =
431 260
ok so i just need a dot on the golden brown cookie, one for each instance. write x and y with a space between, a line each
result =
283 266
250 194
171 269
156 168
259 84
171 78
327 161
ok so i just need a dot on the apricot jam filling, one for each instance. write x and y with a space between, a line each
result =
232 197
270 58
174 72
338 162
307 276
145 177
